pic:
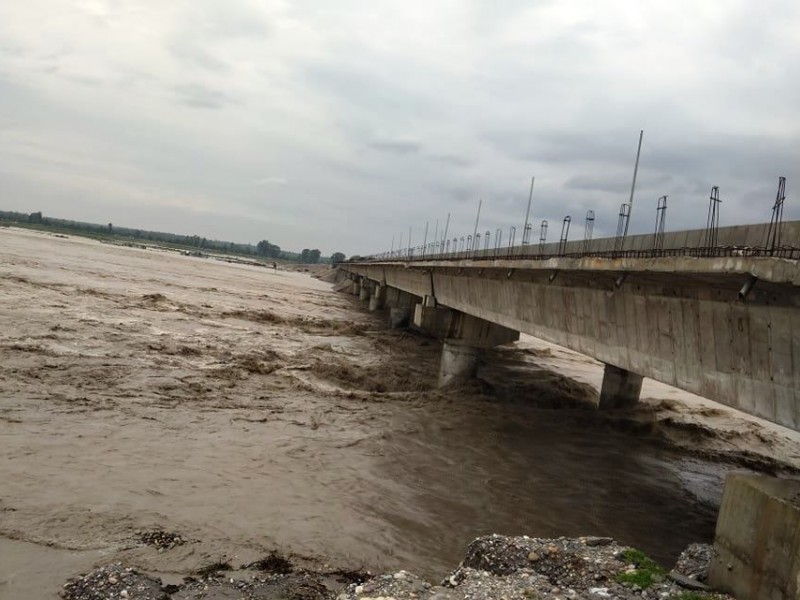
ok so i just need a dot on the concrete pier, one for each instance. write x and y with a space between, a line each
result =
377 298
463 336
432 320
459 363
401 307
620 388
364 292
757 542
399 317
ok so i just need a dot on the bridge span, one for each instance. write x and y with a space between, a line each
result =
722 322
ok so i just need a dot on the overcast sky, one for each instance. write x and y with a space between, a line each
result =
338 124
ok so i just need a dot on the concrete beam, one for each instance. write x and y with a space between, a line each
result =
478 332
448 324
757 542
398 298
620 388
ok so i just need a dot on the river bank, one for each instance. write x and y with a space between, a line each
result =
511 568
247 410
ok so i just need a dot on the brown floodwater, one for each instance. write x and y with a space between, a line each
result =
250 410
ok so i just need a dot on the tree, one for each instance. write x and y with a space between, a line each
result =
337 257
314 256
264 248
35 217
304 255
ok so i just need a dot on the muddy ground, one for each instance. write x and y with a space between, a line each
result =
242 410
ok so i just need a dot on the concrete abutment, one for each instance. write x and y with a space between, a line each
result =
757 541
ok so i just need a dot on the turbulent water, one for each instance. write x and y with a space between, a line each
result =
249 410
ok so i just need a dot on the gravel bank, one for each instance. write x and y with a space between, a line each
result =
495 567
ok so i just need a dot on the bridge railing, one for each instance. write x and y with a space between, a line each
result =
741 240
526 253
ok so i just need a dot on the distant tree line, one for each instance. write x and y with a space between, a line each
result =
263 249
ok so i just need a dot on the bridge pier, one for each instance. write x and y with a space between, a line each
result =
464 337
364 290
620 388
377 298
356 288
400 305
459 363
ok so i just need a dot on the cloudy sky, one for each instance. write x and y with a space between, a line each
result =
340 124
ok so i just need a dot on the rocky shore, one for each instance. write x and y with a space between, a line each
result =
494 567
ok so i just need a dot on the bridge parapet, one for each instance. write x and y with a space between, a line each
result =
739 240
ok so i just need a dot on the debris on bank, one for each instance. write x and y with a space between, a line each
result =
495 567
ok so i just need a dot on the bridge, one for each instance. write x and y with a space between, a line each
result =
716 313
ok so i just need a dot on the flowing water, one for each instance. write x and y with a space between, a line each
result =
250 410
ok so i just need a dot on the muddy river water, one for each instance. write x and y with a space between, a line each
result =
250 410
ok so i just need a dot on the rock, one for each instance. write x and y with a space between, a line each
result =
598 541
532 556
695 561
687 582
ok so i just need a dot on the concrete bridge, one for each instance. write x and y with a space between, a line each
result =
721 321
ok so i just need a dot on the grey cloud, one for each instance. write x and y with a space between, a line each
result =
596 182
453 160
193 54
200 96
379 126
373 92
395 147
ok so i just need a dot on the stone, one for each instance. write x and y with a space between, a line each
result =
687 582
598 541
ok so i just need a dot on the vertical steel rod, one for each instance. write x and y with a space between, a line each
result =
477 218
633 188
528 211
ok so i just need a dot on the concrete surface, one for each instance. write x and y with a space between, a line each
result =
459 363
757 542
620 388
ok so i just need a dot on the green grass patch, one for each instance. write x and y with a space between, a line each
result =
694 596
647 570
